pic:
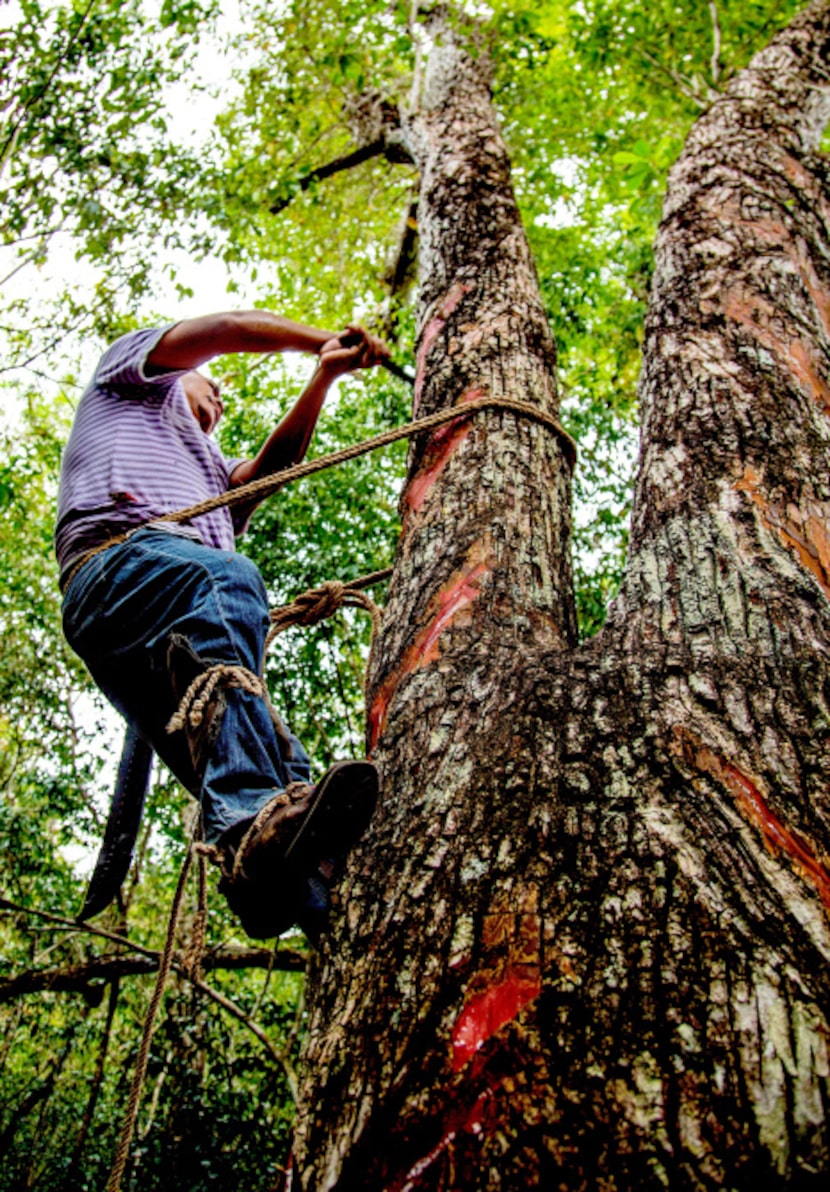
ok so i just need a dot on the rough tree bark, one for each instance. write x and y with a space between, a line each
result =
586 942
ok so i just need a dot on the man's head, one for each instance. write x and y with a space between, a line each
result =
203 398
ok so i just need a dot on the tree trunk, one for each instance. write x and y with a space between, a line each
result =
585 943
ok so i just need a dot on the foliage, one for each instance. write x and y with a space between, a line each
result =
89 167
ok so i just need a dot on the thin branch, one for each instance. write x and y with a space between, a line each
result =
684 85
85 978
154 1099
37 1095
60 921
8 145
27 259
347 162
129 887
279 1057
9 1034
44 235
42 352
23 1108
294 961
328 634
402 267
401 271
264 987
36 372
714 68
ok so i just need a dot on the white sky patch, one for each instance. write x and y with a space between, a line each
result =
563 210
563 215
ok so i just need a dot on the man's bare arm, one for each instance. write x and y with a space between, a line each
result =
288 442
192 342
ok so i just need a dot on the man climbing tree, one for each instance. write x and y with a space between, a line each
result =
164 612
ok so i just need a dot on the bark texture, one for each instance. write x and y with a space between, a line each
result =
586 942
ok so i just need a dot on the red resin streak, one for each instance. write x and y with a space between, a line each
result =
451 600
443 443
460 1121
777 835
431 332
461 591
488 1012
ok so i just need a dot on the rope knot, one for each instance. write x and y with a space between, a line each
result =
195 700
312 606
294 792
316 604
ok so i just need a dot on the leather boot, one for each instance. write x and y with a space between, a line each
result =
268 862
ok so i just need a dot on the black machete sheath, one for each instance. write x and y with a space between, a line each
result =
116 850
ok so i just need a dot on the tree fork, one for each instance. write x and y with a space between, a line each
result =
586 940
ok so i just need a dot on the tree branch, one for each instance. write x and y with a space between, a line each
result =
347 162
279 1056
375 127
685 86
714 67
110 968
8 145
85 978
402 269
53 343
89 978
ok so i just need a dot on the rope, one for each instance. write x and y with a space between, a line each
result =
192 706
309 608
195 951
316 604
195 700
291 794
122 1150
265 485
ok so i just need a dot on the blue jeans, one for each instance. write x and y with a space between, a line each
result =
118 614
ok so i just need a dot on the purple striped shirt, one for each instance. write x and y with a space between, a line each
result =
136 451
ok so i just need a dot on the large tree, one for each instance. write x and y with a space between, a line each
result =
534 920
585 942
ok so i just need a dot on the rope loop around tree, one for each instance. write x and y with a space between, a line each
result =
257 490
